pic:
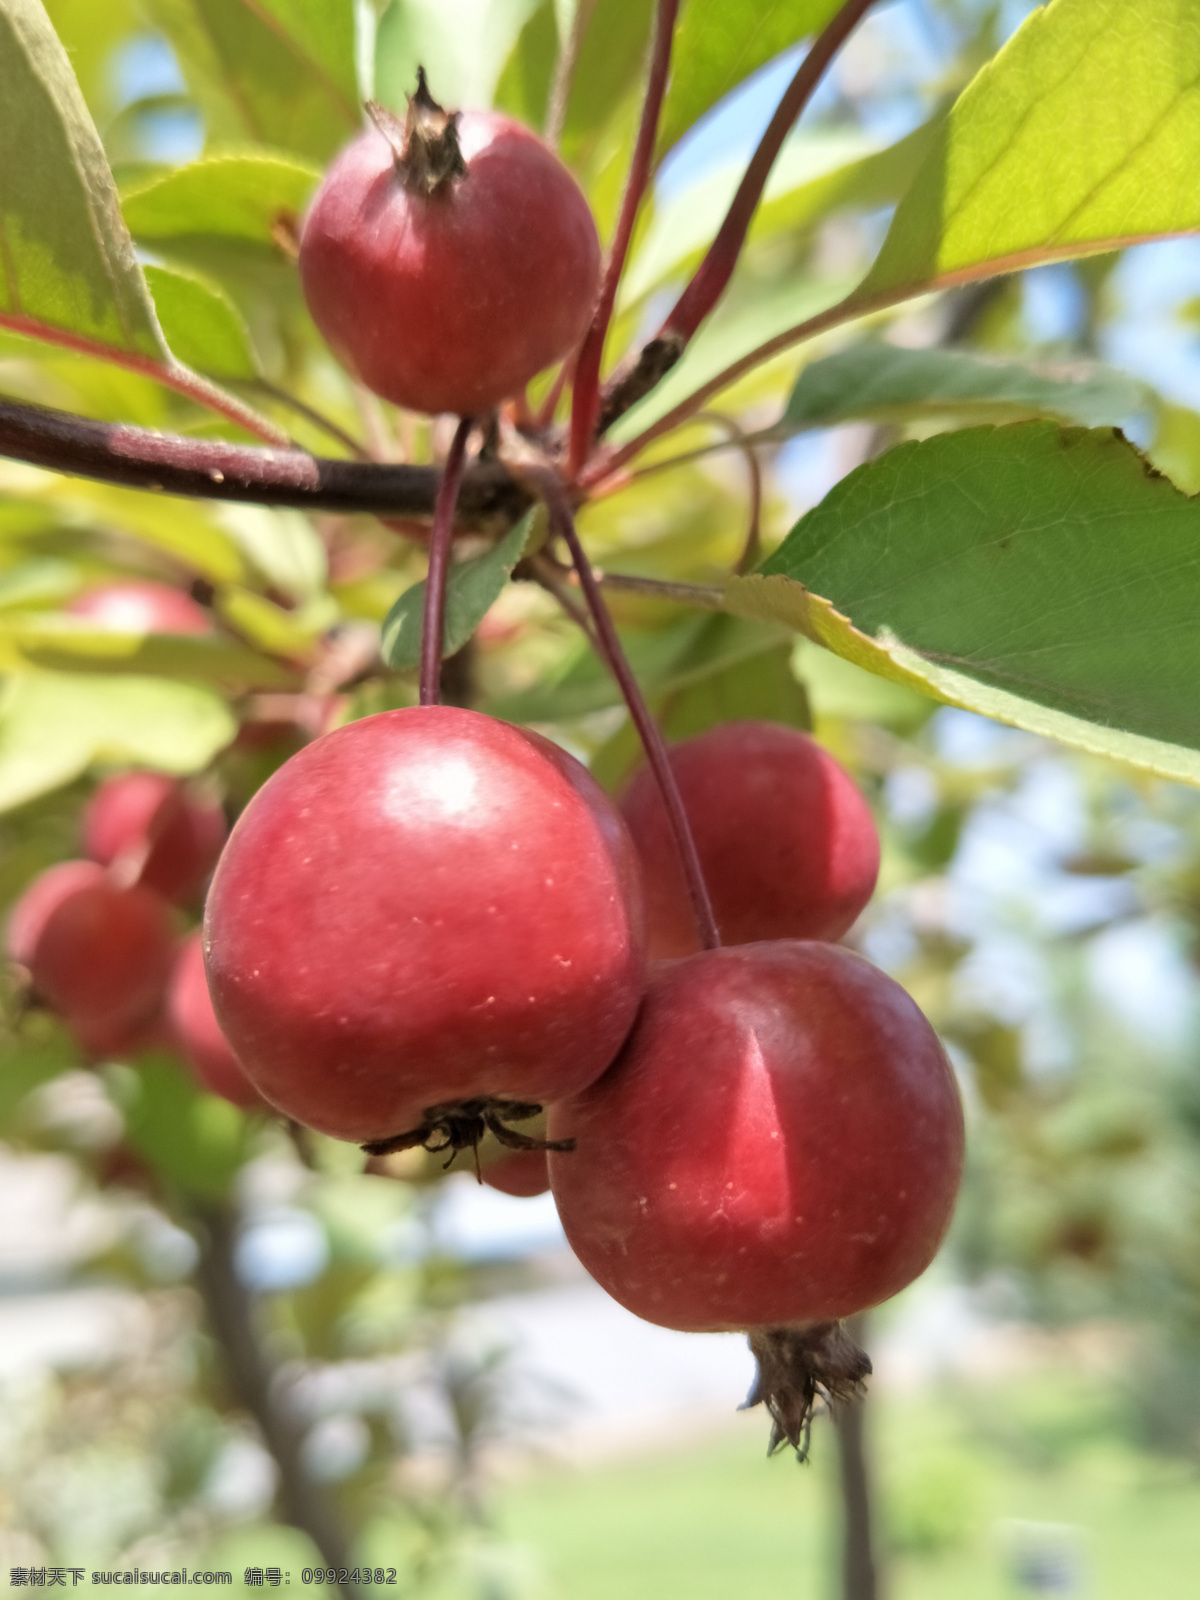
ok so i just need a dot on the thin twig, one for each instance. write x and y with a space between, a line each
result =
709 280
433 621
704 595
491 498
585 400
311 414
302 1502
738 436
550 576
563 525
564 72
169 372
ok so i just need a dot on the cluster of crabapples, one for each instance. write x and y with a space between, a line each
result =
429 925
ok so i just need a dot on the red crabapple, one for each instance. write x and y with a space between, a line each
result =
449 259
786 841
172 835
96 953
198 1034
778 1146
424 908
140 606
518 1172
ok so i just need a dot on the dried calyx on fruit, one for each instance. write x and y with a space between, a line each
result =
449 257
425 924
777 1147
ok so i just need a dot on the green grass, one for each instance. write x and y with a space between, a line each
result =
716 1521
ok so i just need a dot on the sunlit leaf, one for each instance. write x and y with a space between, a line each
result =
202 325
54 725
69 267
1041 576
887 383
462 48
279 72
1082 135
228 195
472 588
60 644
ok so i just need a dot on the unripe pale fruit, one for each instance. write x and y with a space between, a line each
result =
197 1033
171 836
446 286
140 606
778 1146
419 909
96 953
787 843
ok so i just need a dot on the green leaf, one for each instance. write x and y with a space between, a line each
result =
887 383
665 661
53 726
1044 577
462 48
195 1140
202 325
608 71
472 588
69 269
1082 135
718 43
60 644
231 195
279 72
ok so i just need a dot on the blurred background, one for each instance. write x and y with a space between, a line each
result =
465 1406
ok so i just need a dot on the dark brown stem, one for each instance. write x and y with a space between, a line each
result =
257 1388
860 1577
433 620
491 499
709 281
563 524
585 400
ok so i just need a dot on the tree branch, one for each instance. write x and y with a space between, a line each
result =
708 283
585 404
257 1389
215 470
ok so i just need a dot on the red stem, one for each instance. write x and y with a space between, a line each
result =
585 400
563 524
433 620
714 272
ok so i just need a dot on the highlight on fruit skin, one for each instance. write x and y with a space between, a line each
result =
448 258
424 909
778 1146
787 842
139 606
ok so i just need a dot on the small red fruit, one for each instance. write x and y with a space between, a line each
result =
140 607
171 836
521 1172
449 259
197 1032
96 953
424 908
786 841
778 1146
